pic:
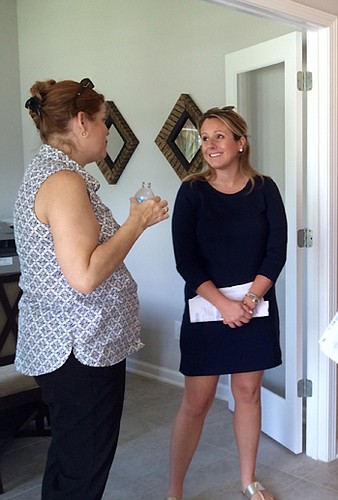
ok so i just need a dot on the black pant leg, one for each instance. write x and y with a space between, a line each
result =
85 406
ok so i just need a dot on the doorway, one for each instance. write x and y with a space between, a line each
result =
321 267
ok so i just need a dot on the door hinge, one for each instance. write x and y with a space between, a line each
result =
305 238
304 81
304 388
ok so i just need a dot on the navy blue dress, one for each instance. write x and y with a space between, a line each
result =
229 239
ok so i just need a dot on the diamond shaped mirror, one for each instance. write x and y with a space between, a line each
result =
178 139
122 143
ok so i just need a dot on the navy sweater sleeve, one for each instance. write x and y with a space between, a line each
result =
189 261
276 246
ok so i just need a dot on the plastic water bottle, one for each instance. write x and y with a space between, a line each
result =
144 193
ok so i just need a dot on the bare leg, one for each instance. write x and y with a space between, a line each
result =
246 389
198 396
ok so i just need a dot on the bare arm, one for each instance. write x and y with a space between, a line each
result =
63 203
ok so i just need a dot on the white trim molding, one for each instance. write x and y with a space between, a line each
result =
322 219
292 13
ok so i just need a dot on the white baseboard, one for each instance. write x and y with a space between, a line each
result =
168 376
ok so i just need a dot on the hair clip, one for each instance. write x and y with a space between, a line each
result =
34 104
228 108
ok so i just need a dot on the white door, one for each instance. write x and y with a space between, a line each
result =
261 81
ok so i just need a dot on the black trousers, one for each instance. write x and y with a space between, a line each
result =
85 407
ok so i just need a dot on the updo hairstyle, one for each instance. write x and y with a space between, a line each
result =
53 104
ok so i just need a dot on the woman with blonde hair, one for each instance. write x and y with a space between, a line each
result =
229 228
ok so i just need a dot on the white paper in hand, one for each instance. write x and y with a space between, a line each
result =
200 310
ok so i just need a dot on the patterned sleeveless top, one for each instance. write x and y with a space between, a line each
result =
101 328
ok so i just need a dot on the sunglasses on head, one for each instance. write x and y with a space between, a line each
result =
85 84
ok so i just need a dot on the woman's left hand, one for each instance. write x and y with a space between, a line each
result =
249 308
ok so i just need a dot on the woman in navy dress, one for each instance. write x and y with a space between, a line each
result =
229 228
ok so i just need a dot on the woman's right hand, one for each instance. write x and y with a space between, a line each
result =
149 212
235 313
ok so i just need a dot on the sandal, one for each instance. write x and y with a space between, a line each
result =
253 488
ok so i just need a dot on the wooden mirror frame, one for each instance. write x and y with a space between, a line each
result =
184 109
112 170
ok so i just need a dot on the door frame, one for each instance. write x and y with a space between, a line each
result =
322 123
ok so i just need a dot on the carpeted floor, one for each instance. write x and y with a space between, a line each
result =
140 469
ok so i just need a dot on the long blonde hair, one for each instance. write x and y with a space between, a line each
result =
238 126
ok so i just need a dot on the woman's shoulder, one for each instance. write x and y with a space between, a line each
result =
51 163
64 177
264 182
192 188
49 160
190 193
267 189
193 185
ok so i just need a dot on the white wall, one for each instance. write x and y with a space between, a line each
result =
141 55
11 154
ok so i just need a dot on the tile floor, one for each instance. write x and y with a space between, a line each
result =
141 464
